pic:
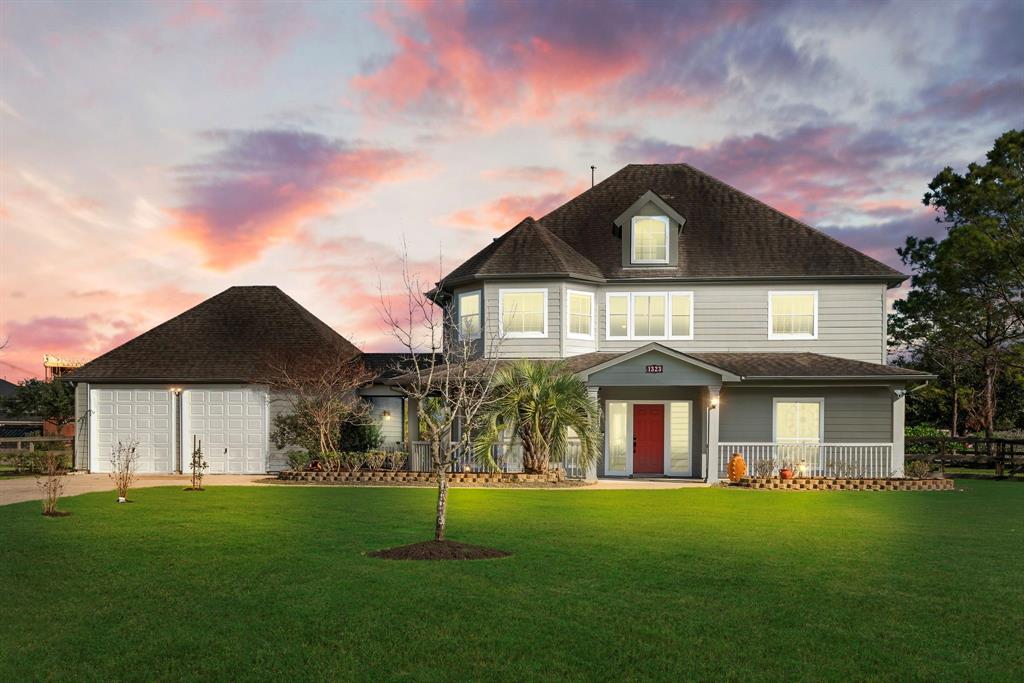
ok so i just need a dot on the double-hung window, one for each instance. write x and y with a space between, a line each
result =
792 315
523 312
650 239
581 314
649 315
798 427
469 315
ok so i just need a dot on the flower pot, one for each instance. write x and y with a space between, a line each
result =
786 473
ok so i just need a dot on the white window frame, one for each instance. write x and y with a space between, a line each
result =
799 399
798 335
569 334
501 313
479 313
668 314
632 239
632 315
608 317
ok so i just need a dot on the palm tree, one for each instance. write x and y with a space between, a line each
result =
538 403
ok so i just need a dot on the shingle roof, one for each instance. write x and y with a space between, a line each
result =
753 366
232 337
529 248
387 365
772 365
728 234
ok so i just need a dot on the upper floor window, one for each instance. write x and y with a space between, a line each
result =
581 315
469 315
650 315
650 239
792 315
523 312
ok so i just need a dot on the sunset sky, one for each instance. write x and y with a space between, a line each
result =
152 155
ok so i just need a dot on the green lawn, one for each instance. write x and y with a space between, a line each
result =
700 583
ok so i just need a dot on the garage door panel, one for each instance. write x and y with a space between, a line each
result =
124 414
231 442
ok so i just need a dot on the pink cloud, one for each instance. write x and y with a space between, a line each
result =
262 187
498 215
546 175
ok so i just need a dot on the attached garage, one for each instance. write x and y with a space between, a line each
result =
231 423
140 413
198 375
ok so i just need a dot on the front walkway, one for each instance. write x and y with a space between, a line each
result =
20 489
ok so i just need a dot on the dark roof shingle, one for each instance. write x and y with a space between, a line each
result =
230 337
728 234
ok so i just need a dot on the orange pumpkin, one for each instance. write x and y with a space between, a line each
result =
737 467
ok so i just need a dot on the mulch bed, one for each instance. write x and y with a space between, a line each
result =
439 550
56 513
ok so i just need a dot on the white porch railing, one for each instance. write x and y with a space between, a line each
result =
508 456
837 460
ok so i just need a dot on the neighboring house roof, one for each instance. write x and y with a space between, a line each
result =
527 249
233 336
7 389
728 235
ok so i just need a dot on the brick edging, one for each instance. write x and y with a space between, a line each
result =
826 484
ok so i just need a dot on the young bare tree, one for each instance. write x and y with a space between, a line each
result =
51 483
198 464
446 373
321 397
123 461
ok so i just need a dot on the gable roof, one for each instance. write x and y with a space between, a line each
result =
230 337
527 249
728 235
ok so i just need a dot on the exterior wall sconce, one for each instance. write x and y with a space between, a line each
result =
386 414
176 391
714 402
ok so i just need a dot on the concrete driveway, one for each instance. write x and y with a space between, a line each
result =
18 489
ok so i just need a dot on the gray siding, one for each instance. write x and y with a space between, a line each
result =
852 414
83 426
734 317
277 458
526 347
632 372
390 430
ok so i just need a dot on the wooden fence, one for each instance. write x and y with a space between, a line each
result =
1006 456
19 453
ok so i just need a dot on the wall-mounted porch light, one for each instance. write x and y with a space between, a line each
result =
714 402
176 391
386 414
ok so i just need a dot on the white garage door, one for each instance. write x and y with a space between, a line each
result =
231 422
124 414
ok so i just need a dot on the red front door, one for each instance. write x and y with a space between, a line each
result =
648 438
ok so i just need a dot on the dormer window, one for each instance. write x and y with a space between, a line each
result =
650 239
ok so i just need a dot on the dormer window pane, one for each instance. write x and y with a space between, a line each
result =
650 239
523 313
469 315
649 315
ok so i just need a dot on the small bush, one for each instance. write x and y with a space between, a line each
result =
352 460
397 460
52 481
918 469
763 468
375 460
123 461
298 461
360 437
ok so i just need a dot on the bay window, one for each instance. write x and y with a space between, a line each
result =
581 314
469 315
523 312
649 315
618 316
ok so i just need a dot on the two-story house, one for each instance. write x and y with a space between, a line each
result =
705 322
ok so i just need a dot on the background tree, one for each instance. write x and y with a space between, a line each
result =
962 317
444 374
53 401
538 404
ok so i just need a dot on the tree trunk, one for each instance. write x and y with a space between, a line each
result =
956 405
442 503
990 400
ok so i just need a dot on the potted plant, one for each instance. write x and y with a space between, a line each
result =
786 472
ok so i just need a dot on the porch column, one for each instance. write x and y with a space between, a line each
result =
899 407
713 408
412 428
591 473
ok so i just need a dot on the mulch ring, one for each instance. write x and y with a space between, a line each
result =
439 550
57 513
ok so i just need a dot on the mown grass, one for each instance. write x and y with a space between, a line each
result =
251 583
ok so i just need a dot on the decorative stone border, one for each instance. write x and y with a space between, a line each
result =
824 484
403 477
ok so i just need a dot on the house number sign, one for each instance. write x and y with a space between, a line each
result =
655 369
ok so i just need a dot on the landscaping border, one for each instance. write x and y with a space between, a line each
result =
846 484
554 477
